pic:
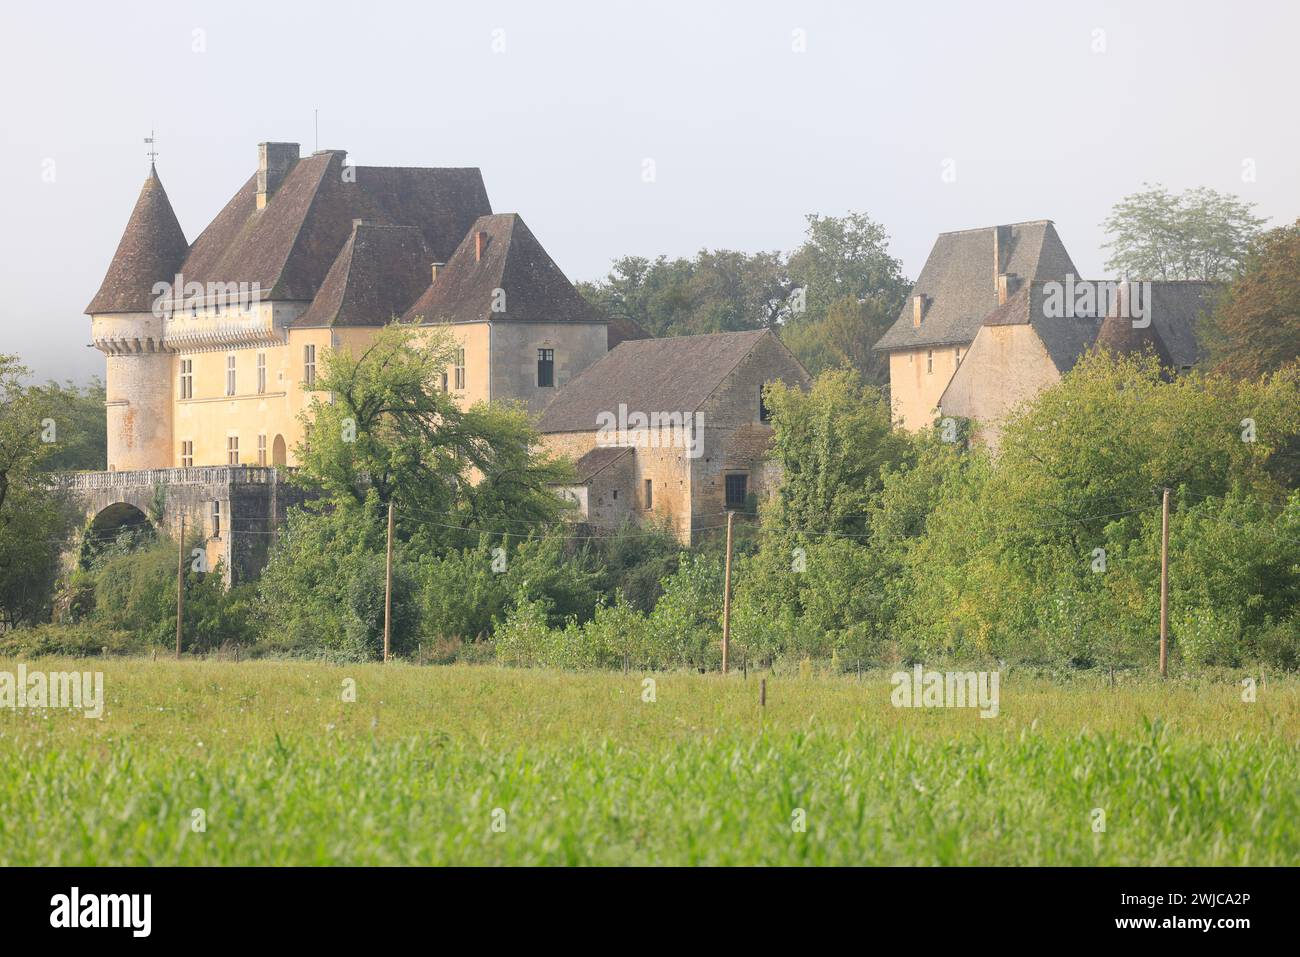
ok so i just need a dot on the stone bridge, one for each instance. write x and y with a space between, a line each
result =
233 512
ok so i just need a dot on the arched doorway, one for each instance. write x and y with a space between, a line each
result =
120 525
279 455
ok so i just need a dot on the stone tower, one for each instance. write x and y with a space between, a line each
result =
127 328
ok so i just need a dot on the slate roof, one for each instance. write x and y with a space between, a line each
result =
512 260
959 280
1065 338
621 329
649 375
151 250
597 460
289 246
1177 308
376 274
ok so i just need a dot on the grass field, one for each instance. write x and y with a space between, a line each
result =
583 771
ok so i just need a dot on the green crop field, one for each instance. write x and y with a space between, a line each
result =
206 762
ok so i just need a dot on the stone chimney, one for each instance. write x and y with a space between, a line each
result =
434 269
480 243
1008 283
274 160
918 309
1001 252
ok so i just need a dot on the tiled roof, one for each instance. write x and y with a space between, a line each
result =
649 375
597 460
507 258
376 274
289 246
150 251
959 280
1176 310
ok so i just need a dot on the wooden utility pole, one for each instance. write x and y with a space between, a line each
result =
388 587
180 586
726 598
1164 586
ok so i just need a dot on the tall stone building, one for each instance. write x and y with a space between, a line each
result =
968 275
213 347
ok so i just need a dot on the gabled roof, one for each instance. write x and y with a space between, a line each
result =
650 375
379 270
288 247
1176 309
508 258
959 280
150 251
1065 338
621 329
597 460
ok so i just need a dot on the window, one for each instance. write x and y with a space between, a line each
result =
957 354
187 378
737 487
261 373
187 454
261 449
616 495
929 361
216 518
649 495
459 369
764 413
444 382
232 450
309 365
230 374
545 368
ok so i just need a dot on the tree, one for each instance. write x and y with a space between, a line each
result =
832 443
846 257
842 272
36 519
390 432
1197 234
1255 327
80 430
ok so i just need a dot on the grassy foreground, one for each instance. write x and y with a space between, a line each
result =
580 770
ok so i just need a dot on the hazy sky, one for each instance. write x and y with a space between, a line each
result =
1045 109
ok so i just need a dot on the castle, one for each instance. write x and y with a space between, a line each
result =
213 347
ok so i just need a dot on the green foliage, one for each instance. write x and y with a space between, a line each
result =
390 432
832 297
36 519
1197 234
832 443
1255 328
80 428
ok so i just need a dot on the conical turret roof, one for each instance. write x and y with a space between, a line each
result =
151 251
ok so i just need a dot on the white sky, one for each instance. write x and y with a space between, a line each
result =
747 135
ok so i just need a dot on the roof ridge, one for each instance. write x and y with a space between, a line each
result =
981 229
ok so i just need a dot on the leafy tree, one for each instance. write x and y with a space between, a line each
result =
842 273
36 519
80 428
847 257
1196 234
390 432
832 443
1256 326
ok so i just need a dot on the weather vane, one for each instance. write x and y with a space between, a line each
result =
153 152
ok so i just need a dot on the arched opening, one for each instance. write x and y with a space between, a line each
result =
279 455
120 526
